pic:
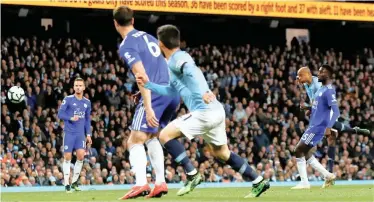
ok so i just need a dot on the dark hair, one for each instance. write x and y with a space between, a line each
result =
169 35
123 15
328 68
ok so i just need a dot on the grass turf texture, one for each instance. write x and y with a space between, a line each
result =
336 193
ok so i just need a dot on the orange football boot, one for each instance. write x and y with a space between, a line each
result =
158 191
137 191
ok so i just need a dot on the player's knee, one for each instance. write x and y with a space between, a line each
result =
221 152
67 156
137 137
168 133
80 154
163 137
299 151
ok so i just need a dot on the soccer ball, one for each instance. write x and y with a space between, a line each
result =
16 94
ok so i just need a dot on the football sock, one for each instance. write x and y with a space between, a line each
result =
66 170
343 128
317 166
77 170
331 155
138 161
156 156
239 165
177 151
301 167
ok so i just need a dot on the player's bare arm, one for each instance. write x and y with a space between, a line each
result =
152 121
141 79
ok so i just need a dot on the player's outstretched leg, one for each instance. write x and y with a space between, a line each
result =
346 128
260 185
223 153
168 138
329 177
156 156
177 151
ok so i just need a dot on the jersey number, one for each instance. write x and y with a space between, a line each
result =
152 47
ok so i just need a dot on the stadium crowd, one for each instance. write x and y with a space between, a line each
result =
256 86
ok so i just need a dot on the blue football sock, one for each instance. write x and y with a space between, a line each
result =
331 155
177 151
239 165
343 128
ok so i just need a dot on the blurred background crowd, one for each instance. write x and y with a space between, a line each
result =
256 85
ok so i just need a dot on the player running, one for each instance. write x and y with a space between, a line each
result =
75 111
325 112
206 120
312 85
141 53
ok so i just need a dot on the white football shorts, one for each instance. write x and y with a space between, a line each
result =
208 123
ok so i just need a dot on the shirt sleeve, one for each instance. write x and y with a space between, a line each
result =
333 104
129 54
87 123
62 112
167 90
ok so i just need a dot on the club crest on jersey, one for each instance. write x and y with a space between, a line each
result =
85 105
315 103
333 98
128 57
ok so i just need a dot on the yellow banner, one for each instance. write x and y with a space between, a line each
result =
286 9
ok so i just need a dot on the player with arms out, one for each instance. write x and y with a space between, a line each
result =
75 111
325 112
206 120
312 85
142 55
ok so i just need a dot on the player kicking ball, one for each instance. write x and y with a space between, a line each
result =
312 85
321 122
75 111
206 120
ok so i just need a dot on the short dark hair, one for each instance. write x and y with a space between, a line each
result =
123 15
169 35
329 69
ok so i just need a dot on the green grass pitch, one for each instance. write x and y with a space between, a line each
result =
336 193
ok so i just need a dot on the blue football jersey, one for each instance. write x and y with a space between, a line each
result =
325 110
140 46
71 106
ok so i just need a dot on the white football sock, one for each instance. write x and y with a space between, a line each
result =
156 156
138 161
318 166
66 170
257 180
301 167
77 170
